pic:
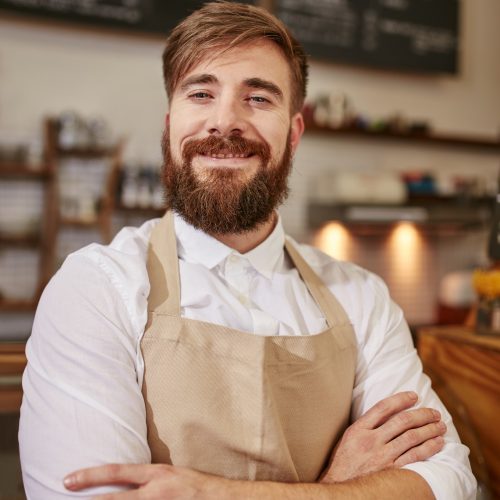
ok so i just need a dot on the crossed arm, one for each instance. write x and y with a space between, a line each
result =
83 405
366 460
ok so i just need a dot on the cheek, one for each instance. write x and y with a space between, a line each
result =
275 132
277 143
174 146
181 130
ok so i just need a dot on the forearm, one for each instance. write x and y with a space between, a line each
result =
384 484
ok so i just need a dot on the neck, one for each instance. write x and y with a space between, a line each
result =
244 242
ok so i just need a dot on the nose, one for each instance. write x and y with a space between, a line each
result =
227 117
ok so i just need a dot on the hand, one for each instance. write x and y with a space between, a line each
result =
386 437
152 481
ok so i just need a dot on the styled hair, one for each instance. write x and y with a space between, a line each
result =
220 26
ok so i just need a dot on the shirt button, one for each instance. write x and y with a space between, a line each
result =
233 258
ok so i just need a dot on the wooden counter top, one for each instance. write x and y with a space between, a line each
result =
465 371
463 335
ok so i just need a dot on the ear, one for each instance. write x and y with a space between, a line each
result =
167 120
296 130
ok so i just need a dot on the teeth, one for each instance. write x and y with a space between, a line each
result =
229 155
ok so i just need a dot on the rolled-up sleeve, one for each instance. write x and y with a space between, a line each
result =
388 363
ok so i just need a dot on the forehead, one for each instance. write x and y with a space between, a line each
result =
260 59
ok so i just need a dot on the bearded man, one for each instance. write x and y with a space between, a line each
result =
206 354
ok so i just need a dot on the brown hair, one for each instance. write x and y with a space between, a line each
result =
222 26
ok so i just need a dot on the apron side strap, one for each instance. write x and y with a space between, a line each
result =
327 302
163 268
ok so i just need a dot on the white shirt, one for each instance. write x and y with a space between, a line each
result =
83 404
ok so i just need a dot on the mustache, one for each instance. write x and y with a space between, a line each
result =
230 145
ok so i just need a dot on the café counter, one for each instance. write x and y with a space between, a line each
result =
465 371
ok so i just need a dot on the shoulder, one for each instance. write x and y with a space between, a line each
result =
109 273
341 275
363 295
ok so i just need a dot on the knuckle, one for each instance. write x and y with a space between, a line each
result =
112 471
428 414
412 456
437 429
405 418
425 451
383 406
411 436
437 444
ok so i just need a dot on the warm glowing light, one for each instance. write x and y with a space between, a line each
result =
335 240
405 234
405 251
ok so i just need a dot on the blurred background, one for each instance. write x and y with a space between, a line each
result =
397 171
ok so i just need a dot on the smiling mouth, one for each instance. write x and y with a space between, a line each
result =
227 155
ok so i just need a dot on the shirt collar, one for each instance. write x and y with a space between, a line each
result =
196 246
266 257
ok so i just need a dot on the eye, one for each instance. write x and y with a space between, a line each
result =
199 96
259 99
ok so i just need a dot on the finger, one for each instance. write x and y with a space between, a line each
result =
405 420
385 409
415 437
421 452
128 474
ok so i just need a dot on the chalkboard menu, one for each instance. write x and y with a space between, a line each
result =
147 16
415 35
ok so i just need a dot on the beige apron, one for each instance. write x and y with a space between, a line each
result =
236 404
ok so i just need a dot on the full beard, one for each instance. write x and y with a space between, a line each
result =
223 200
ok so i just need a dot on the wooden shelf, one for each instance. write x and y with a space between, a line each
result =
66 221
14 171
432 214
30 241
476 142
15 306
87 152
112 155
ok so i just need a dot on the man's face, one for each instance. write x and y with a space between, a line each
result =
229 139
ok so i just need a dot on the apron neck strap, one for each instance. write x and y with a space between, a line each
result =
328 304
163 268
163 272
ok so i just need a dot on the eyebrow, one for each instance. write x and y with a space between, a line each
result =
259 83
255 83
203 78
